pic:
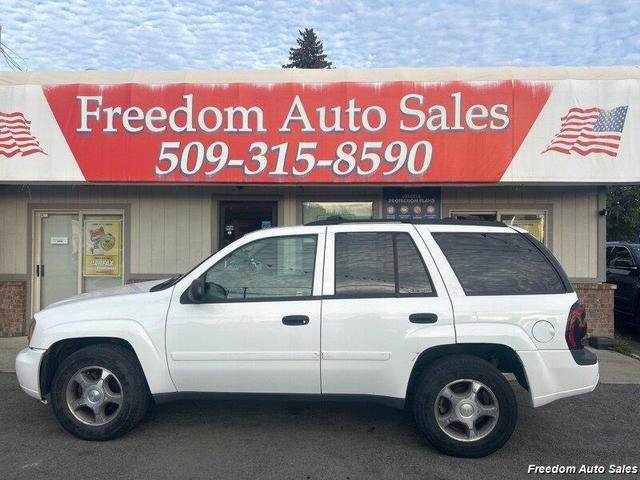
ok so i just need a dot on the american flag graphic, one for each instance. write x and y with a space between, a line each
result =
16 137
590 130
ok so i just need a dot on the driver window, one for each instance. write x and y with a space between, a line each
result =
271 267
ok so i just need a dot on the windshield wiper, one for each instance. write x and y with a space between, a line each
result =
166 284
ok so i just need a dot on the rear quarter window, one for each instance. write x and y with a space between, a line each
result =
499 264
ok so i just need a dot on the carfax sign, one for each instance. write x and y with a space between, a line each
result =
103 247
322 133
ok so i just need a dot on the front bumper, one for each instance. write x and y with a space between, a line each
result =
28 370
554 374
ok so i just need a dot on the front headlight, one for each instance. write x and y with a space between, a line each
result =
32 328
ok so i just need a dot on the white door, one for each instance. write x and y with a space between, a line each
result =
56 268
258 329
384 303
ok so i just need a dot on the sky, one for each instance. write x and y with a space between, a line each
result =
235 34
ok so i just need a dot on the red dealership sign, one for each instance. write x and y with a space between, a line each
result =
292 133
288 133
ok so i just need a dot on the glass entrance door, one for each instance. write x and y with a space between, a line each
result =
239 218
75 252
58 266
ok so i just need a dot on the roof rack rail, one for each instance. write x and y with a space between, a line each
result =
338 220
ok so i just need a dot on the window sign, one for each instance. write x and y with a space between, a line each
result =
412 203
102 248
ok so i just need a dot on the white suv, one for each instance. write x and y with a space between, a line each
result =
423 315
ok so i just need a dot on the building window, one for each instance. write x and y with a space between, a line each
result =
313 211
534 222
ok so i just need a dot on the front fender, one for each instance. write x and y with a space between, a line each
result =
150 354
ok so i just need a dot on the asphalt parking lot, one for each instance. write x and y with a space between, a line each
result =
256 439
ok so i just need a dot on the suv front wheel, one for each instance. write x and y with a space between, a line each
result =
464 406
99 392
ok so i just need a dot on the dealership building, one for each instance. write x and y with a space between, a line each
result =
108 178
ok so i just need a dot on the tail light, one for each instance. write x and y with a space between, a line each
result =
576 333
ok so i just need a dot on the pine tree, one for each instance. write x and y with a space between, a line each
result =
309 52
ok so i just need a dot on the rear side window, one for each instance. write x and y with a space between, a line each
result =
499 264
412 273
373 264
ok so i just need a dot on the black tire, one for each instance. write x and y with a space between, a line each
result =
125 367
450 369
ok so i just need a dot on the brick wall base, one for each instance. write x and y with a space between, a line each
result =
13 308
598 300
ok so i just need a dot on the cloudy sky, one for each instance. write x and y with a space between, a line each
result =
176 34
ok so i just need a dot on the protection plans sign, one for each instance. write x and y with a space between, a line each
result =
322 133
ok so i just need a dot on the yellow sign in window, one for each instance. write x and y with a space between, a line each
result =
102 248
531 222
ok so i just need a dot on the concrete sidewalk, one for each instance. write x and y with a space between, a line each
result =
614 367
9 348
618 368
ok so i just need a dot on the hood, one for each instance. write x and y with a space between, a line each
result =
132 288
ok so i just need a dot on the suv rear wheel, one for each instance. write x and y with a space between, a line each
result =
99 392
464 406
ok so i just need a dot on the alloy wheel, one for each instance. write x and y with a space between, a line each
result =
94 396
466 410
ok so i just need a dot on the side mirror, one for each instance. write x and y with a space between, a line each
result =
196 291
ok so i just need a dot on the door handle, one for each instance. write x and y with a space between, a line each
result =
423 318
295 320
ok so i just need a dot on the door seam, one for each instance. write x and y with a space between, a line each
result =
324 261
453 311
